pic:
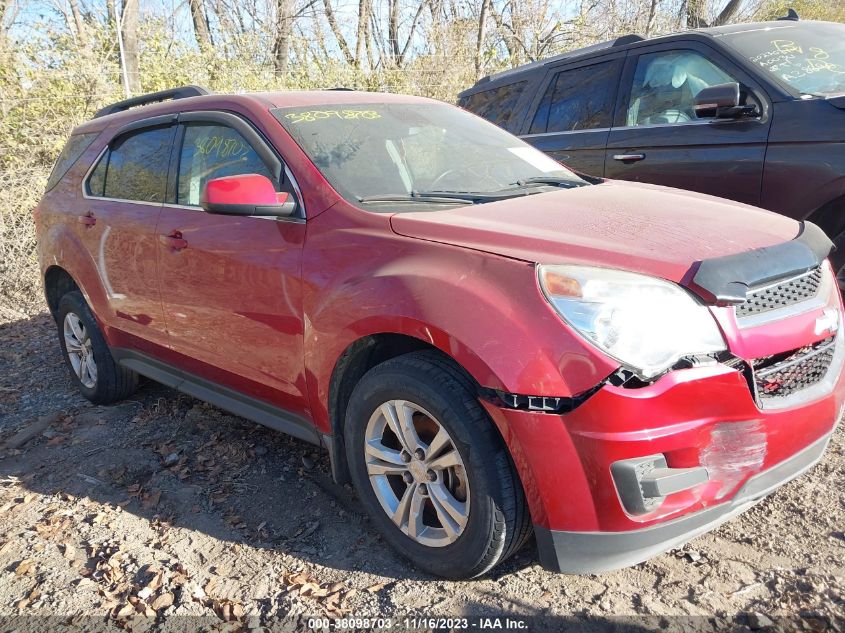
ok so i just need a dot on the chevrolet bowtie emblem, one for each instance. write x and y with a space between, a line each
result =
827 322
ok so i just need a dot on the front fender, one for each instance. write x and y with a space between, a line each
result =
483 310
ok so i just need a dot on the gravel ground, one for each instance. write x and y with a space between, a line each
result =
162 512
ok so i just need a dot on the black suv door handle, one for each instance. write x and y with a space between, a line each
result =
628 158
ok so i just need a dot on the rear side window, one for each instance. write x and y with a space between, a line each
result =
214 151
498 105
73 149
134 167
578 99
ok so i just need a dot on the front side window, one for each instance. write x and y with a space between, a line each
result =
578 99
497 105
378 153
213 151
134 167
809 56
665 85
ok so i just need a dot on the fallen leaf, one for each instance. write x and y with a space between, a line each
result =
162 601
25 567
69 551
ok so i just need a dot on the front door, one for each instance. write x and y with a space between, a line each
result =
658 139
230 285
572 119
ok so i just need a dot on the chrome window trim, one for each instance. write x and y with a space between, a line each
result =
542 134
821 300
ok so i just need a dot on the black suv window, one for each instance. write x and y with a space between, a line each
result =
497 105
213 151
134 167
665 85
578 99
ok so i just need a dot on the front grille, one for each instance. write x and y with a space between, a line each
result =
784 374
781 295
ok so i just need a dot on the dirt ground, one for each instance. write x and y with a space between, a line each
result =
163 512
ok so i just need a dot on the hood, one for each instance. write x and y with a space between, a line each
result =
642 228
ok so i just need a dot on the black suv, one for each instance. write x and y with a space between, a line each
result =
752 112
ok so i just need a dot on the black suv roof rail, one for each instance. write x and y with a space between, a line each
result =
619 41
182 92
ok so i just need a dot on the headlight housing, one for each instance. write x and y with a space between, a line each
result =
645 323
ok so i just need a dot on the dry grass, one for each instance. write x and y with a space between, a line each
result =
20 285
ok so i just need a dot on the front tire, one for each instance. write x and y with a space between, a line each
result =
92 368
431 469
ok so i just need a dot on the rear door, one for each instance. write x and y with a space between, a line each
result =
230 285
122 196
658 139
571 118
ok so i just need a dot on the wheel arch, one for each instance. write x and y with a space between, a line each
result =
359 357
830 217
57 283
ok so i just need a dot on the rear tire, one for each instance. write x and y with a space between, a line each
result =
92 367
461 469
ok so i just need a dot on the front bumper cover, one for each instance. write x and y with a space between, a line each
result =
594 552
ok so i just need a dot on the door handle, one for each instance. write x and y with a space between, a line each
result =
628 158
88 219
174 241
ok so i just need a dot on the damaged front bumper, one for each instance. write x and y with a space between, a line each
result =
594 552
719 453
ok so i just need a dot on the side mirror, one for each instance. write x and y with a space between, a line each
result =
722 102
249 194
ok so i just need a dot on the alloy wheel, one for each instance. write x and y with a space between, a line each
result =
417 473
80 350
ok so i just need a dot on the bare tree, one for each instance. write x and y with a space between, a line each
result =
200 21
482 24
284 31
129 18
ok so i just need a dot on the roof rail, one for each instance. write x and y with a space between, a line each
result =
619 41
627 39
154 97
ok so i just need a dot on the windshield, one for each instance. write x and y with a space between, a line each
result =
810 57
408 156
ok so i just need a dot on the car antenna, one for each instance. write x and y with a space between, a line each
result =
791 15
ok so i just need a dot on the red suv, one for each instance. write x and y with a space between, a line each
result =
485 343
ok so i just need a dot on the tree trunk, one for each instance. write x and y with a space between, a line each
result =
131 54
201 30
727 13
652 14
363 30
393 30
78 23
341 41
284 29
479 44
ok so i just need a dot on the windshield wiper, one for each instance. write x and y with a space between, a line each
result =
415 196
479 196
548 180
